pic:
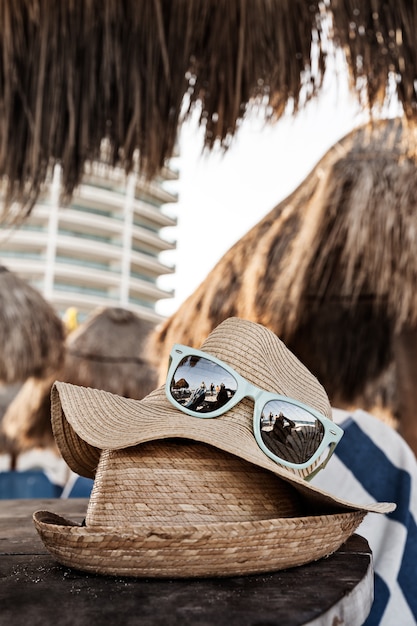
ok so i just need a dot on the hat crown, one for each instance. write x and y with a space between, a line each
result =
175 483
258 355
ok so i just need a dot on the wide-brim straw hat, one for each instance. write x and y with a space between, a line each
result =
178 496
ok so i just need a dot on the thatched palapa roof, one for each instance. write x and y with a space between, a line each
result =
31 333
109 351
75 73
332 269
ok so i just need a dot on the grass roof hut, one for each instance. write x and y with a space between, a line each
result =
75 73
332 269
108 351
31 333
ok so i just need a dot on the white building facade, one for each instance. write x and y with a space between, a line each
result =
102 249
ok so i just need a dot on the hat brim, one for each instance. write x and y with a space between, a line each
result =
125 423
198 550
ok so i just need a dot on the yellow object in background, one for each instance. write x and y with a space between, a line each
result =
71 318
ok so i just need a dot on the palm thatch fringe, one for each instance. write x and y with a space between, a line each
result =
31 333
75 73
332 269
378 38
108 351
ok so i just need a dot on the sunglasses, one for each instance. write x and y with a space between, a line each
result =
287 431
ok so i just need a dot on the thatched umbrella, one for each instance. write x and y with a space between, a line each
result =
75 73
31 333
332 269
108 351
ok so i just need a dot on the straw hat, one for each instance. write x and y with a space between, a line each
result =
177 496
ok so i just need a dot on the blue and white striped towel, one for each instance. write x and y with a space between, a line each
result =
373 463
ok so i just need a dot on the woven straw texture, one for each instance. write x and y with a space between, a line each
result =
177 483
170 509
199 551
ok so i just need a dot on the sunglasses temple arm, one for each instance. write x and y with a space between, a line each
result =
322 465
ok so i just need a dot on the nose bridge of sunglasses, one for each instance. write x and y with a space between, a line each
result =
254 393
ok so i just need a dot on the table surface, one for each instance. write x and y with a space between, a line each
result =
35 589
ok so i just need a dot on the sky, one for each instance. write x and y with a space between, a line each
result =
222 195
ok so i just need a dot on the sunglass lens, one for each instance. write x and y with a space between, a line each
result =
290 432
201 385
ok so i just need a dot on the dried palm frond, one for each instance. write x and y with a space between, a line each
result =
75 73
378 38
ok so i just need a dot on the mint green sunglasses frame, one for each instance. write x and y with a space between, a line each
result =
332 432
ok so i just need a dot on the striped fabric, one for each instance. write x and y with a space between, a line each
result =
373 463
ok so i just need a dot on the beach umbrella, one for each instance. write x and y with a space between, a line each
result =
31 333
332 269
73 74
181 384
108 351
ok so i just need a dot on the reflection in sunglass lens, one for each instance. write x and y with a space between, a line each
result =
290 432
201 385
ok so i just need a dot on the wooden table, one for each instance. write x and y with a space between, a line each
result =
36 590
